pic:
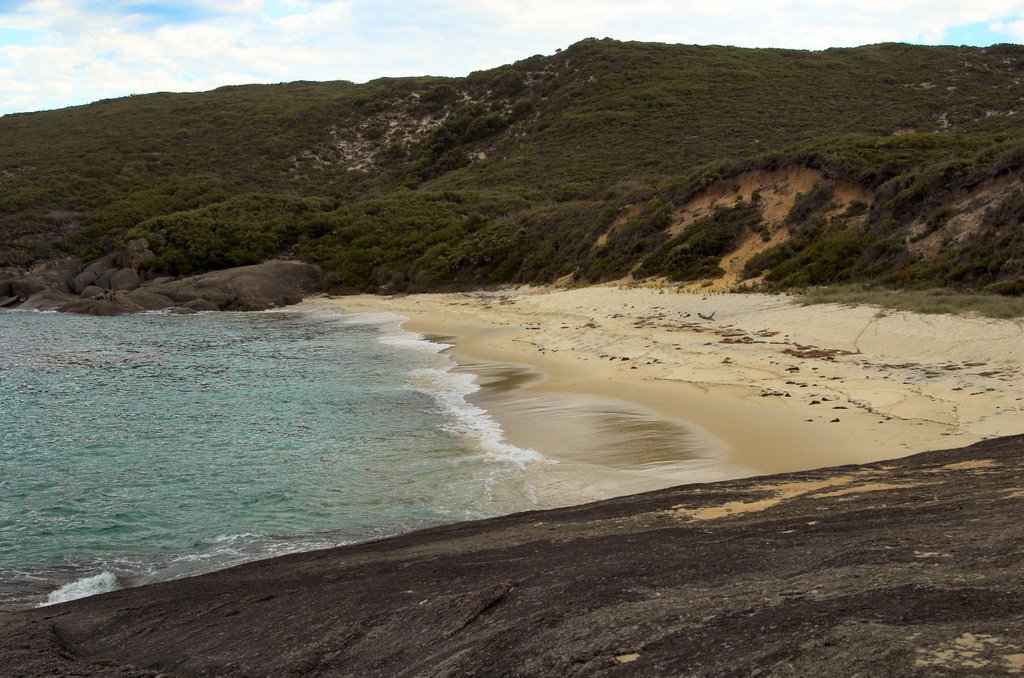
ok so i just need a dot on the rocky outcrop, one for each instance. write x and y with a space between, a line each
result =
247 288
104 289
103 279
102 264
100 307
136 253
57 276
151 301
46 300
908 567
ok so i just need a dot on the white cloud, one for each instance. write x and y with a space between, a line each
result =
811 24
62 52
1014 28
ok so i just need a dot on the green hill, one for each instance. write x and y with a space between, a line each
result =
894 164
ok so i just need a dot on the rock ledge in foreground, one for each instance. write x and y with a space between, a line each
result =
910 567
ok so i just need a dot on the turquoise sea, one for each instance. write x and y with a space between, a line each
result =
149 447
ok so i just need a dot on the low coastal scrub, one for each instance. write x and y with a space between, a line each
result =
578 163
918 301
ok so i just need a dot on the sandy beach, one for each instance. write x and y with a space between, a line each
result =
631 389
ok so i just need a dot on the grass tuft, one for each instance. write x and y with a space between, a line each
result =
919 301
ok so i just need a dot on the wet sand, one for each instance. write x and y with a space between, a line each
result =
601 446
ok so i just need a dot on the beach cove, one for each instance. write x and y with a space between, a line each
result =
754 384
905 566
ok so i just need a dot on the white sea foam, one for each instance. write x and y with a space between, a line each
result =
87 586
387 319
411 341
231 538
390 326
449 390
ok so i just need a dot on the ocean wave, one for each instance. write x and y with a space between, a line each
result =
219 552
411 341
230 549
369 318
103 582
449 390
389 322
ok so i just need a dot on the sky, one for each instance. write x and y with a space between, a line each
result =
56 53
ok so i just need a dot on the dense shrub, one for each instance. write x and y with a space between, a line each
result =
804 206
244 230
695 253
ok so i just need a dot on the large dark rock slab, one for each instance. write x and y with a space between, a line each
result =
63 273
903 568
247 288
104 263
149 301
100 307
58 276
47 300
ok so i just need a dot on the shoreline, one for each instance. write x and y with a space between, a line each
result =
775 386
597 446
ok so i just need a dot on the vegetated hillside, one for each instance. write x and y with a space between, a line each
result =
895 164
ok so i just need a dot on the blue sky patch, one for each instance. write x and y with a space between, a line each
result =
13 36
976 35
163 13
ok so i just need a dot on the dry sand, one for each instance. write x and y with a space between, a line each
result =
630 389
